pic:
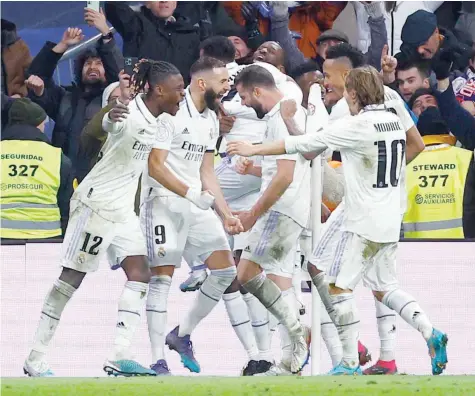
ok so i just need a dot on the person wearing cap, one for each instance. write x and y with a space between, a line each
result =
436 181
422 37
36 177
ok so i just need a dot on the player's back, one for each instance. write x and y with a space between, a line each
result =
372 169
111 185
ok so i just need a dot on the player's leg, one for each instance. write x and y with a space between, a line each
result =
270 240
386 321
165 224
208 241
258 314
344 274
128 251
297 280
76 261
382 279
197 276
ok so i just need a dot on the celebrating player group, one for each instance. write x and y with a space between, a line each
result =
246 220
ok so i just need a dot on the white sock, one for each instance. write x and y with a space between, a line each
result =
348 325
273 322
297 280
131 304
285 340
208 296
157 299
322 287
408 308
239 317
53 307
260 325
330 336
386 319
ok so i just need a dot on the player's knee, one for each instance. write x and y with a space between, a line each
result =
233 287
335 290
379 295
136 269
72 277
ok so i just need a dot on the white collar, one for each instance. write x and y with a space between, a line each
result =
151 119
191 108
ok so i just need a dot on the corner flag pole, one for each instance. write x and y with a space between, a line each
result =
317 117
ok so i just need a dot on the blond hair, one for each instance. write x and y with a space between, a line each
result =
367 84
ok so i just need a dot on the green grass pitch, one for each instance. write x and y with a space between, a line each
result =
399 385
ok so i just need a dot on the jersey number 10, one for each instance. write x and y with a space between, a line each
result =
390 156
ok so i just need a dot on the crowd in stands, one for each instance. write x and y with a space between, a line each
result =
428 57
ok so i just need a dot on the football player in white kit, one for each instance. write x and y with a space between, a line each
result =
176 216
277 218
373 148
103 223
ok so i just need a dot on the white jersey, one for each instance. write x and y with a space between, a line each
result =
110 187
372 145
187 137
295 202
395 104
247 126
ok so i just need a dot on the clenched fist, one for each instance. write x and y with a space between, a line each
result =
36 84
288 108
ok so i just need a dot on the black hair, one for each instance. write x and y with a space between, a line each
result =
255 76
420 92
80 61
219 47
344 50
151 72
405 62
306 67
204 64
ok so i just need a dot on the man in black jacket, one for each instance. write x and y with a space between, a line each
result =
156 32
72 107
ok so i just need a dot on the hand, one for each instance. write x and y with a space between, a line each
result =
247 219
96 19
244 149
226 122
36 84
243 166
442 63
280 8
119 112
325 213
288 108
248 11
72 36
388 62
233 225
124 85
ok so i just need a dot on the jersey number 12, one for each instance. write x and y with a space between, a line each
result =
390 157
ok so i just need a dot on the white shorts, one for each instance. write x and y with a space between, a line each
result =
272 244
357 258
89 237
322 256
174 227
240 191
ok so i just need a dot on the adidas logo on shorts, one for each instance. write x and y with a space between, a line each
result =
185 132
247 249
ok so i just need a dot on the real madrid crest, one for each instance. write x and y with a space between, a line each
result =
161 252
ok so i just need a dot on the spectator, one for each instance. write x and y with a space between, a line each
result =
280 33
411 75
156 32
435 182
6 104
395 15
272 53
307 19
15 60
460 123
239 37
305 76
421 37
464 87
37 176
73 107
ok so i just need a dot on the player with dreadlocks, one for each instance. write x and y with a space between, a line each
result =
102 219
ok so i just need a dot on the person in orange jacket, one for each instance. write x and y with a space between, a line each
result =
307 20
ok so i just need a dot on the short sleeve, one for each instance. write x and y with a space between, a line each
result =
165 134
343 134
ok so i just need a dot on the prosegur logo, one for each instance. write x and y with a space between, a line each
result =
434 199
20 186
